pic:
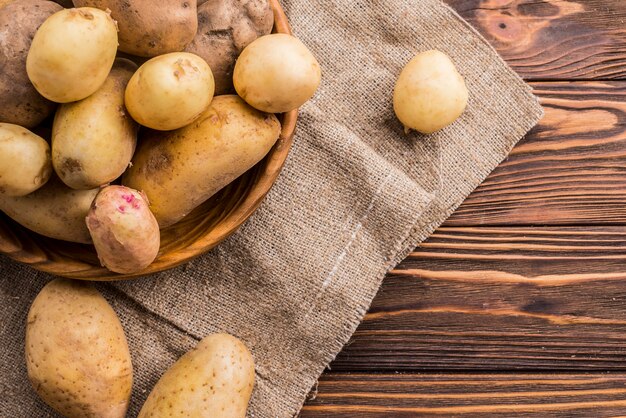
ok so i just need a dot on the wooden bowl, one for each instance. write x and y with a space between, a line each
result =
197 233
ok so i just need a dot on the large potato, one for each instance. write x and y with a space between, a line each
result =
225 28
170 91
215 379
21 104
76 352
430 93
54 210
94 139
24 160
276 73
179 170
149 28
72 54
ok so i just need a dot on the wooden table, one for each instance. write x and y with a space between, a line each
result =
517 305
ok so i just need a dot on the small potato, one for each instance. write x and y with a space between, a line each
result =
72 54
54 210
123 229
94 139
76 352
215 379
181 169
276 73
21 104
430 93
170 91
24 161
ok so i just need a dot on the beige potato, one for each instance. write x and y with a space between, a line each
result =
149 28
24 161
225 28
124 231
21 104
181 169
54 210
76 352
170 91
215 379
93 140
276 73
72 54
430 93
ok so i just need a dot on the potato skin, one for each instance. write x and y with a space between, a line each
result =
225 28
430 93
54 210
124 231
24 161
59 64
93 140
215 379
148 30
181 169
21 103
76 352
170 91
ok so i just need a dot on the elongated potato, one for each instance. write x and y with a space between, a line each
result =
93 140
55 211
179 170
76 352
215 379
72 54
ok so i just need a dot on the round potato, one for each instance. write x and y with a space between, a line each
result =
77 356
24 161
21 103
170 91
124 231
225 28
148 29
215 379
93 140
72 54
276 73
430 93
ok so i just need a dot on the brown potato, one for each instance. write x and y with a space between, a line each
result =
21 104
225 28
148 29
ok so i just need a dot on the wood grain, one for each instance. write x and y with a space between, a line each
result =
489 395
553 39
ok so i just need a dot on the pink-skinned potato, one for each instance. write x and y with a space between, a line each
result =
123 229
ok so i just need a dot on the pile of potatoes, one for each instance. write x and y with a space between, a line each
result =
145 125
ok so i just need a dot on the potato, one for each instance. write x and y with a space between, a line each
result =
76 352
72 54
225 28
123 229
276 73
215 379
94 139
181 169
21 103
170 91
24 161
55 211
430 93
149 28
65 3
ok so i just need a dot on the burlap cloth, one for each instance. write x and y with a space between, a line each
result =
356 195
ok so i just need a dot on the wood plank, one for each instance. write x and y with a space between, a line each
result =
519 395
500 299
553 39
569 170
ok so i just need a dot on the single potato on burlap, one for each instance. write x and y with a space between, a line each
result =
76 352
215 379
